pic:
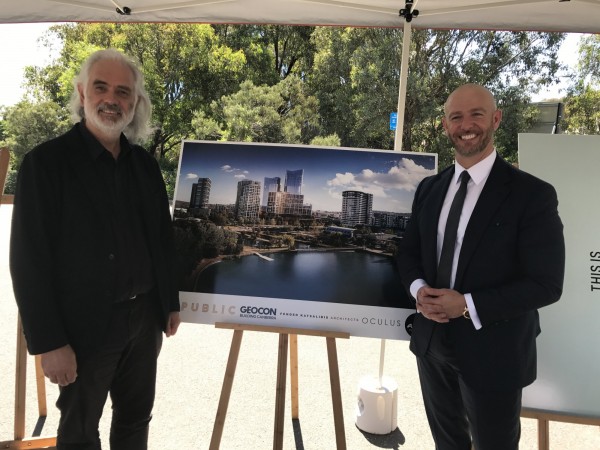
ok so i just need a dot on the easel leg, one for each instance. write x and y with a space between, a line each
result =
280 392
41 387
543 434
294 375
19 441
234 352
20 382
284 333
336 394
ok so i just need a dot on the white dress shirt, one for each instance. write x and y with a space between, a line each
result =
479 174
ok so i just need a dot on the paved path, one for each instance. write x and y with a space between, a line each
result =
191 370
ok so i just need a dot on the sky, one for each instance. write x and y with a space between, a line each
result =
391 177
19 48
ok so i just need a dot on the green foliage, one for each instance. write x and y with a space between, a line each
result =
582 111
278 113
28 124
168 169
356 76
589 57
10 184
273 51
305 85
205 127
330 79
332 140
518 115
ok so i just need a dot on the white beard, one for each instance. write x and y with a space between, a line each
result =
112 128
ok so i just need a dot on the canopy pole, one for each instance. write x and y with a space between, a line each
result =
381 360
406 38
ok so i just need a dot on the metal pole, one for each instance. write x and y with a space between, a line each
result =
381 359
406 38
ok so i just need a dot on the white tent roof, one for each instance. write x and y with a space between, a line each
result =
542 15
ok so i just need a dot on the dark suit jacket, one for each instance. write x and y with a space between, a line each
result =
62 244
511 261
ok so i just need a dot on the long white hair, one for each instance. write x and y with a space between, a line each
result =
139 130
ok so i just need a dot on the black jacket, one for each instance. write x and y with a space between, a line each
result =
62 244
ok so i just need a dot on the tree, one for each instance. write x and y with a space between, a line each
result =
278 113
589 57
582 110
28 124
324 85
582 103
330 79
356 78
332 140
273 52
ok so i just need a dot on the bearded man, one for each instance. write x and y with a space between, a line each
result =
484 250
91 258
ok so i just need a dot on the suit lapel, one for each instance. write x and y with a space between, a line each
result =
495 191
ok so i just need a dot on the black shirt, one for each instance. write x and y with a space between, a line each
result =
134 265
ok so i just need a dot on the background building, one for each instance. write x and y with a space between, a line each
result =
550 115
357 208
386 219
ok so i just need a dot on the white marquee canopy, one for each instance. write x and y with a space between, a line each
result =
581 16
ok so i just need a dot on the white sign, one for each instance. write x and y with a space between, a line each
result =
568 347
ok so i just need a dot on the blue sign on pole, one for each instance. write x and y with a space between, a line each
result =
393 120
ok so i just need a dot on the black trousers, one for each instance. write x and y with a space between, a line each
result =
458 415
125 367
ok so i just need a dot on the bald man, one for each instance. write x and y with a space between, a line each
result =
478 285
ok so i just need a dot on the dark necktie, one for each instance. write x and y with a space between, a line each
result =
447 256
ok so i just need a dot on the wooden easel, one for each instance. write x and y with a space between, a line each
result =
4 162
284 334
19 441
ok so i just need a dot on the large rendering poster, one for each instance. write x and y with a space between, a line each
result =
294 236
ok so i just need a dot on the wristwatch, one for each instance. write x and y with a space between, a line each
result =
466 314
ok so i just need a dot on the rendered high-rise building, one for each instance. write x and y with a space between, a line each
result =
270 185
200 193
286 204
293 181
357 208
247 201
